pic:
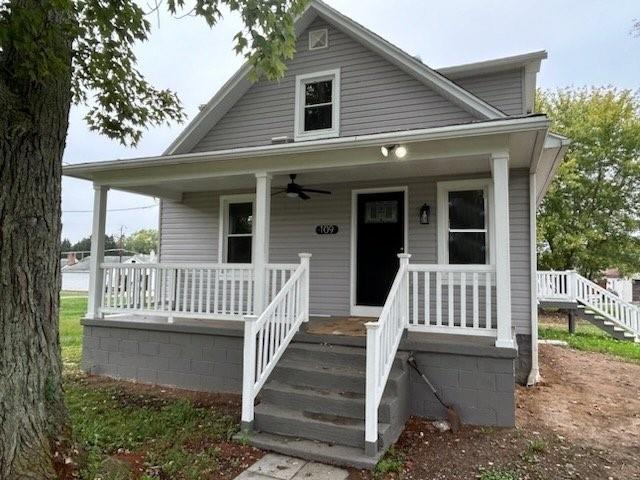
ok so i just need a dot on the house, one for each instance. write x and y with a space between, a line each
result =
365 192
626 287
75 273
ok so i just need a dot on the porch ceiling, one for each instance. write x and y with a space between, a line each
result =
432 152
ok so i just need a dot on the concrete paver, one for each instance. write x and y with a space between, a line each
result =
281 467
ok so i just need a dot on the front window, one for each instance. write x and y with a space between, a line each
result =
237 231
463 222
317 105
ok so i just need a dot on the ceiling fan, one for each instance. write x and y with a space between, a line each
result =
294 190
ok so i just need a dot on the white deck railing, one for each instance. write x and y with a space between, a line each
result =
569 286
383 338
193 290
266 337
452 299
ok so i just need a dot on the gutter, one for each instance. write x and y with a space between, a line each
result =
491 127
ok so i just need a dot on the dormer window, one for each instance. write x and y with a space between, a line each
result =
317 105
318 39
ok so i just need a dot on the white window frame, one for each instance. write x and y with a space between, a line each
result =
301 81
225 201
443 189
319 30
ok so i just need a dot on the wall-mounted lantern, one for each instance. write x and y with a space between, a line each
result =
425 213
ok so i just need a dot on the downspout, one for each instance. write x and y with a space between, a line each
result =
534 374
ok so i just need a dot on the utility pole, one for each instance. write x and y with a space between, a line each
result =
121 242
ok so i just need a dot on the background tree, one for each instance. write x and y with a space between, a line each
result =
52 53
142 241
590 218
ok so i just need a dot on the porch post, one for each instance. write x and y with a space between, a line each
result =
500 173
261 227
97 250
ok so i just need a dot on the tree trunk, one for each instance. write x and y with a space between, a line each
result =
33 127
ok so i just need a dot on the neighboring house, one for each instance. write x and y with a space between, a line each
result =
626 287
75 274
428 235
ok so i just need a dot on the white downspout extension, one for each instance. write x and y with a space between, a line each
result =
534 374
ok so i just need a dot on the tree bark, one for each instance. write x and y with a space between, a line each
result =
33 128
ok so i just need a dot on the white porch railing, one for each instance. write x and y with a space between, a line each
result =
569 286
452 299
194 290
266 337
383 338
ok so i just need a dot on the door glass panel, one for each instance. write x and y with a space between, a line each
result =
384 211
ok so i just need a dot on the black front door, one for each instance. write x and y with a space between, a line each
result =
380 237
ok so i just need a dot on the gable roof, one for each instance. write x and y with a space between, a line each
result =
239 83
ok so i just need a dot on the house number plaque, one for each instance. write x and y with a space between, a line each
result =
327 229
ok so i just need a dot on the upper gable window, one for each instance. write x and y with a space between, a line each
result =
318 39
317 105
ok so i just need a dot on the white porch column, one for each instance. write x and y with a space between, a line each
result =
97 249
500 173
261 225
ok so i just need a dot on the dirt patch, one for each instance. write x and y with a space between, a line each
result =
150 396
581 422
588 397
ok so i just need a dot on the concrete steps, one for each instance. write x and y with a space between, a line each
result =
314 402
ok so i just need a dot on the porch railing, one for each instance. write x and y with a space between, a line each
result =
569 286
266 337
194 290
452 299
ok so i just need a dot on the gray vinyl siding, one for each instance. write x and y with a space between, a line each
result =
189 232
376 97
503 90
189 229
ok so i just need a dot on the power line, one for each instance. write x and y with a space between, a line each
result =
112 209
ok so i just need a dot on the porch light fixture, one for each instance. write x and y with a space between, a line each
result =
400 151
425 213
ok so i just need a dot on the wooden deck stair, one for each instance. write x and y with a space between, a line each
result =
313 405
605 324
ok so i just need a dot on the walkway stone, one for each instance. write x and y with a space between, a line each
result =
280 467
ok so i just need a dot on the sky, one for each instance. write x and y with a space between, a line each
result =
588 41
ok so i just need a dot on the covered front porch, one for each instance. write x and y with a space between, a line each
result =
383 247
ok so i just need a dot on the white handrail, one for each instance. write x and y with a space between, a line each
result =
266 337
383 338
569 286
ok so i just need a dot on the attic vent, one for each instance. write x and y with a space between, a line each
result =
318 39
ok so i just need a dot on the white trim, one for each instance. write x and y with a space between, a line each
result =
223 223
494 65
442 212
497 127
298 121
363 310
317 30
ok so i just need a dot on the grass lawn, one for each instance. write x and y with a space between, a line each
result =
127 431
588 338
72 308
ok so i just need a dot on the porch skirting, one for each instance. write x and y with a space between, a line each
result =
473 375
